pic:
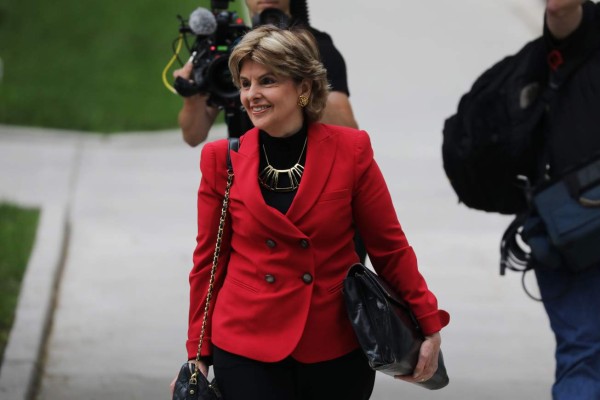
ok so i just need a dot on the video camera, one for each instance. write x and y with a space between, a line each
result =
217 31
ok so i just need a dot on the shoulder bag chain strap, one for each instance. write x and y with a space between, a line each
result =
214 267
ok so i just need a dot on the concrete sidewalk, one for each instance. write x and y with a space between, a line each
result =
37 169
124 208
129 204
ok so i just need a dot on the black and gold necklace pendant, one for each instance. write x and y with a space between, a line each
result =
270 178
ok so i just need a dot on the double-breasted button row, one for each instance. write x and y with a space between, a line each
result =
306 278
271 243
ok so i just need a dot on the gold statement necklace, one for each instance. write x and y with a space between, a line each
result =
269 177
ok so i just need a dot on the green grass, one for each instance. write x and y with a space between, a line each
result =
17 233
92 66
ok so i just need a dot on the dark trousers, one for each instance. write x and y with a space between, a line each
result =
348 377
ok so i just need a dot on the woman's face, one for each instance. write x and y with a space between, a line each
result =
257 6
271 101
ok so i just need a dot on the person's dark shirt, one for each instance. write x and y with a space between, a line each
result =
332 61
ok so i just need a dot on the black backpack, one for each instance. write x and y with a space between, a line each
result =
490 141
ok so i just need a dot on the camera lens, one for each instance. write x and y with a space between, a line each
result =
223 80
220 78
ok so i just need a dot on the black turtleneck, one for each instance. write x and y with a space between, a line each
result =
283 153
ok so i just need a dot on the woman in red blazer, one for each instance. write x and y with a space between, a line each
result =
278 328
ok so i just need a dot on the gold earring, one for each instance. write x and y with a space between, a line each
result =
302 100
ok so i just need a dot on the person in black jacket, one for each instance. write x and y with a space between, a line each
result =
572 135
565 136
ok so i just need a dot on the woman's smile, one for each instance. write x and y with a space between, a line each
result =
260 109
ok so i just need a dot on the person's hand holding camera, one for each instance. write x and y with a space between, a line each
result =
184 72
184 84
196 116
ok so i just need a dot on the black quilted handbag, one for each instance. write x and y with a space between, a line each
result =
191 384
386 328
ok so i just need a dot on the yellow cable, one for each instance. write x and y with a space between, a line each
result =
164 73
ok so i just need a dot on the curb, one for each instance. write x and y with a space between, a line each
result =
20 372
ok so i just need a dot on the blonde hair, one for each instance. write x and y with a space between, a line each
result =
292 53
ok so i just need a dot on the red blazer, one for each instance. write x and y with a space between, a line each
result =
281 292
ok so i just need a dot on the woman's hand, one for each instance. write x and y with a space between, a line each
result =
428 360
199 364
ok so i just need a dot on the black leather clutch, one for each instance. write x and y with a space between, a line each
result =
386 328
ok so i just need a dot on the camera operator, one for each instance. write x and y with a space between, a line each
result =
196 117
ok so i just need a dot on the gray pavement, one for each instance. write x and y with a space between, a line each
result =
107 282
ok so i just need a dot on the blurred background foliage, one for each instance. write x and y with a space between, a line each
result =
90 66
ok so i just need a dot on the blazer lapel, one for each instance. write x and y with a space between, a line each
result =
320 155
245 169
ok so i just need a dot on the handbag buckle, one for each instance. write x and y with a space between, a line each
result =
194 378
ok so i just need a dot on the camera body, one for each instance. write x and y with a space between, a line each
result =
210 56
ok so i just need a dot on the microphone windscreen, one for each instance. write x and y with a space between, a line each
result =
202 22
